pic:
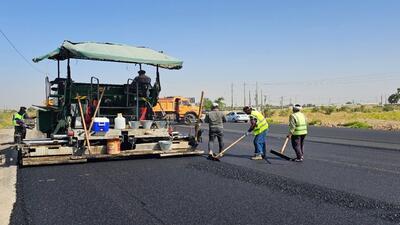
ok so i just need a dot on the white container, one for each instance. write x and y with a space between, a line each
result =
146 124
165 145
134 124
161 124
119 122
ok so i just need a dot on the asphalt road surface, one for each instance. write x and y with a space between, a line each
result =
348 177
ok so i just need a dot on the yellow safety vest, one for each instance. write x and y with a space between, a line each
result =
301 124
16 117
261 124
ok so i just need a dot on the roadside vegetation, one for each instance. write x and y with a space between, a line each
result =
353 116
6 117
385 117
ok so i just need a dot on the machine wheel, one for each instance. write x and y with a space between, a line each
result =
190 118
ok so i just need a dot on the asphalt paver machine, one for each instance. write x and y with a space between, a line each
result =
61 119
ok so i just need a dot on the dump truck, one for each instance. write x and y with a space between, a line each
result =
71 106
177 108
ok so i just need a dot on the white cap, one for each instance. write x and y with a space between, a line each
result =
215 104
297 106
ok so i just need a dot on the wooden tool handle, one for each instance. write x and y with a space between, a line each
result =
95 111
284 145
230 146
84 123
94 115
197 124
201 104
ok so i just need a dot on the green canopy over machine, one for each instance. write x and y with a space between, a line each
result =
112 52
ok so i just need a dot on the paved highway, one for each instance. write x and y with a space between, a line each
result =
343 180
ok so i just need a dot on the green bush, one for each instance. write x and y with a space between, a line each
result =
315 109
344 109
269 112
357 124
388 108
6 119
328 110
362 109
315 122
365 109
284 112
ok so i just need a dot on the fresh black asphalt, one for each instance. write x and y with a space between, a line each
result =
336 184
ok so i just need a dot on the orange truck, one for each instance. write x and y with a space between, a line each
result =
176 108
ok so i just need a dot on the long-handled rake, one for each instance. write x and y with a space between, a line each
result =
217 157
280 154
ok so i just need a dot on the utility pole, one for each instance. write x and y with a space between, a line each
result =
256 97
281 102
231 96
261 99
244 94
249 98
381 100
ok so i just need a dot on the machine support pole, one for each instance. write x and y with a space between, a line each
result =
58 68
68 90
137 101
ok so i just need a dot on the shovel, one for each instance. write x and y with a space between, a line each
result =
83 119
280 154
94 115
217 157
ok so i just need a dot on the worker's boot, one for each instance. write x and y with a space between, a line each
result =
257 157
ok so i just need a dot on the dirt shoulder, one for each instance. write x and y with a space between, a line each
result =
8 175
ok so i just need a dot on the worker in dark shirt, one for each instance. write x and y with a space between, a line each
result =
297 131
143 83
215 119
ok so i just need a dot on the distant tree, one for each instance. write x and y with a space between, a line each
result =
221 103
394 98
207 104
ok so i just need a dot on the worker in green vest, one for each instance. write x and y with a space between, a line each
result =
297 131
259 127
20 125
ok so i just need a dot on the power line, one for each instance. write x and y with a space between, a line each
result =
20 54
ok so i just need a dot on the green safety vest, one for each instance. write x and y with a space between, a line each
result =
16 117
261 124
301 124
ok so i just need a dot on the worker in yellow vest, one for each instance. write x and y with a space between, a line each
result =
259 127
20 125
297 131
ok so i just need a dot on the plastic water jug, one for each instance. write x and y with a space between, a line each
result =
120 122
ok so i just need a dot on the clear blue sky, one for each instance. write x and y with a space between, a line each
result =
307 51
